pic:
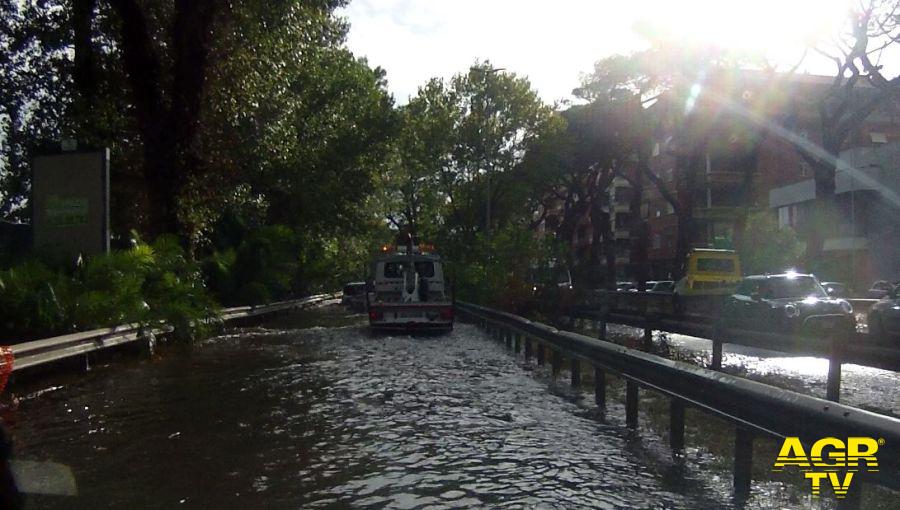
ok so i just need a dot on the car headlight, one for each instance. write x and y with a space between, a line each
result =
534 288
791 311
846 307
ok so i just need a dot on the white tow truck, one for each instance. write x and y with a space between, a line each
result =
410 292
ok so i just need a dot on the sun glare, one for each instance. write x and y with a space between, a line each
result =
776 29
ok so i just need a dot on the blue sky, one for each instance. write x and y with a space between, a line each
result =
554 42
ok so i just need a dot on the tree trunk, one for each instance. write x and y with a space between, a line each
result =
168 134
603 243
687 177
824 215
640 231
84 72
572 214
593 274
747 166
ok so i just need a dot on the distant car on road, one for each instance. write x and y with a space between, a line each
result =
661 286
884 317
880 289
355 296
836 289
788 303
625 286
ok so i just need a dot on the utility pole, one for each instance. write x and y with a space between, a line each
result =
487 171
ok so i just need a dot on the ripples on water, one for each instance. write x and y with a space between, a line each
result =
331 418
865 387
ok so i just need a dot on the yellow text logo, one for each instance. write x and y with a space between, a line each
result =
830 460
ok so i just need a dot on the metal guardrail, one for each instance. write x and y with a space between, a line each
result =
754 407
649 311
48 350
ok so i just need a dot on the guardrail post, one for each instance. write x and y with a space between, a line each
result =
833 386
631 403
541 353
601 330
527 349
676 424
575 372
648 339
507 339
853 499
717 354
743 461
151 343
600 387
555 361
517 343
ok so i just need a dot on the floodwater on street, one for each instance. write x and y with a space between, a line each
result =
869 388
312 412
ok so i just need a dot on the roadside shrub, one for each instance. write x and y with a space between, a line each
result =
145 285
261 269
495 271
174 289
34 300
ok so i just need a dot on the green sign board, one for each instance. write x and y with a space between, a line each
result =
66 212
70 202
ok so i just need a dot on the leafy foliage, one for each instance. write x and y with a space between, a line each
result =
766 247
146 284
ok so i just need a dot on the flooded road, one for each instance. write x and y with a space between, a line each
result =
294 415
869 388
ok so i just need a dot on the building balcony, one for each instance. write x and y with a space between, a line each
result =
721 213
721 177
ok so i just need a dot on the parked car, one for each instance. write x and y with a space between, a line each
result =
836 289
880 289
625 286
709 272
662 286
788 303
884 317
355 296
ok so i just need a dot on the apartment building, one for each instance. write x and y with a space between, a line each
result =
701 150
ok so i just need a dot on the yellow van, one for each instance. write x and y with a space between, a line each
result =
709 272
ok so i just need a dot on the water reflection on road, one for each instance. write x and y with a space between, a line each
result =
869 388
307 417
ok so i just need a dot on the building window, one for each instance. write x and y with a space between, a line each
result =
784 219
804 169
878 137
788 216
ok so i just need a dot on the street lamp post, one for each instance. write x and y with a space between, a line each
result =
487 208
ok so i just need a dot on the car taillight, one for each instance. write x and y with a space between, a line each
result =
447 314
375 314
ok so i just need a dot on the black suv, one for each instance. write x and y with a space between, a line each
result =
788 303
